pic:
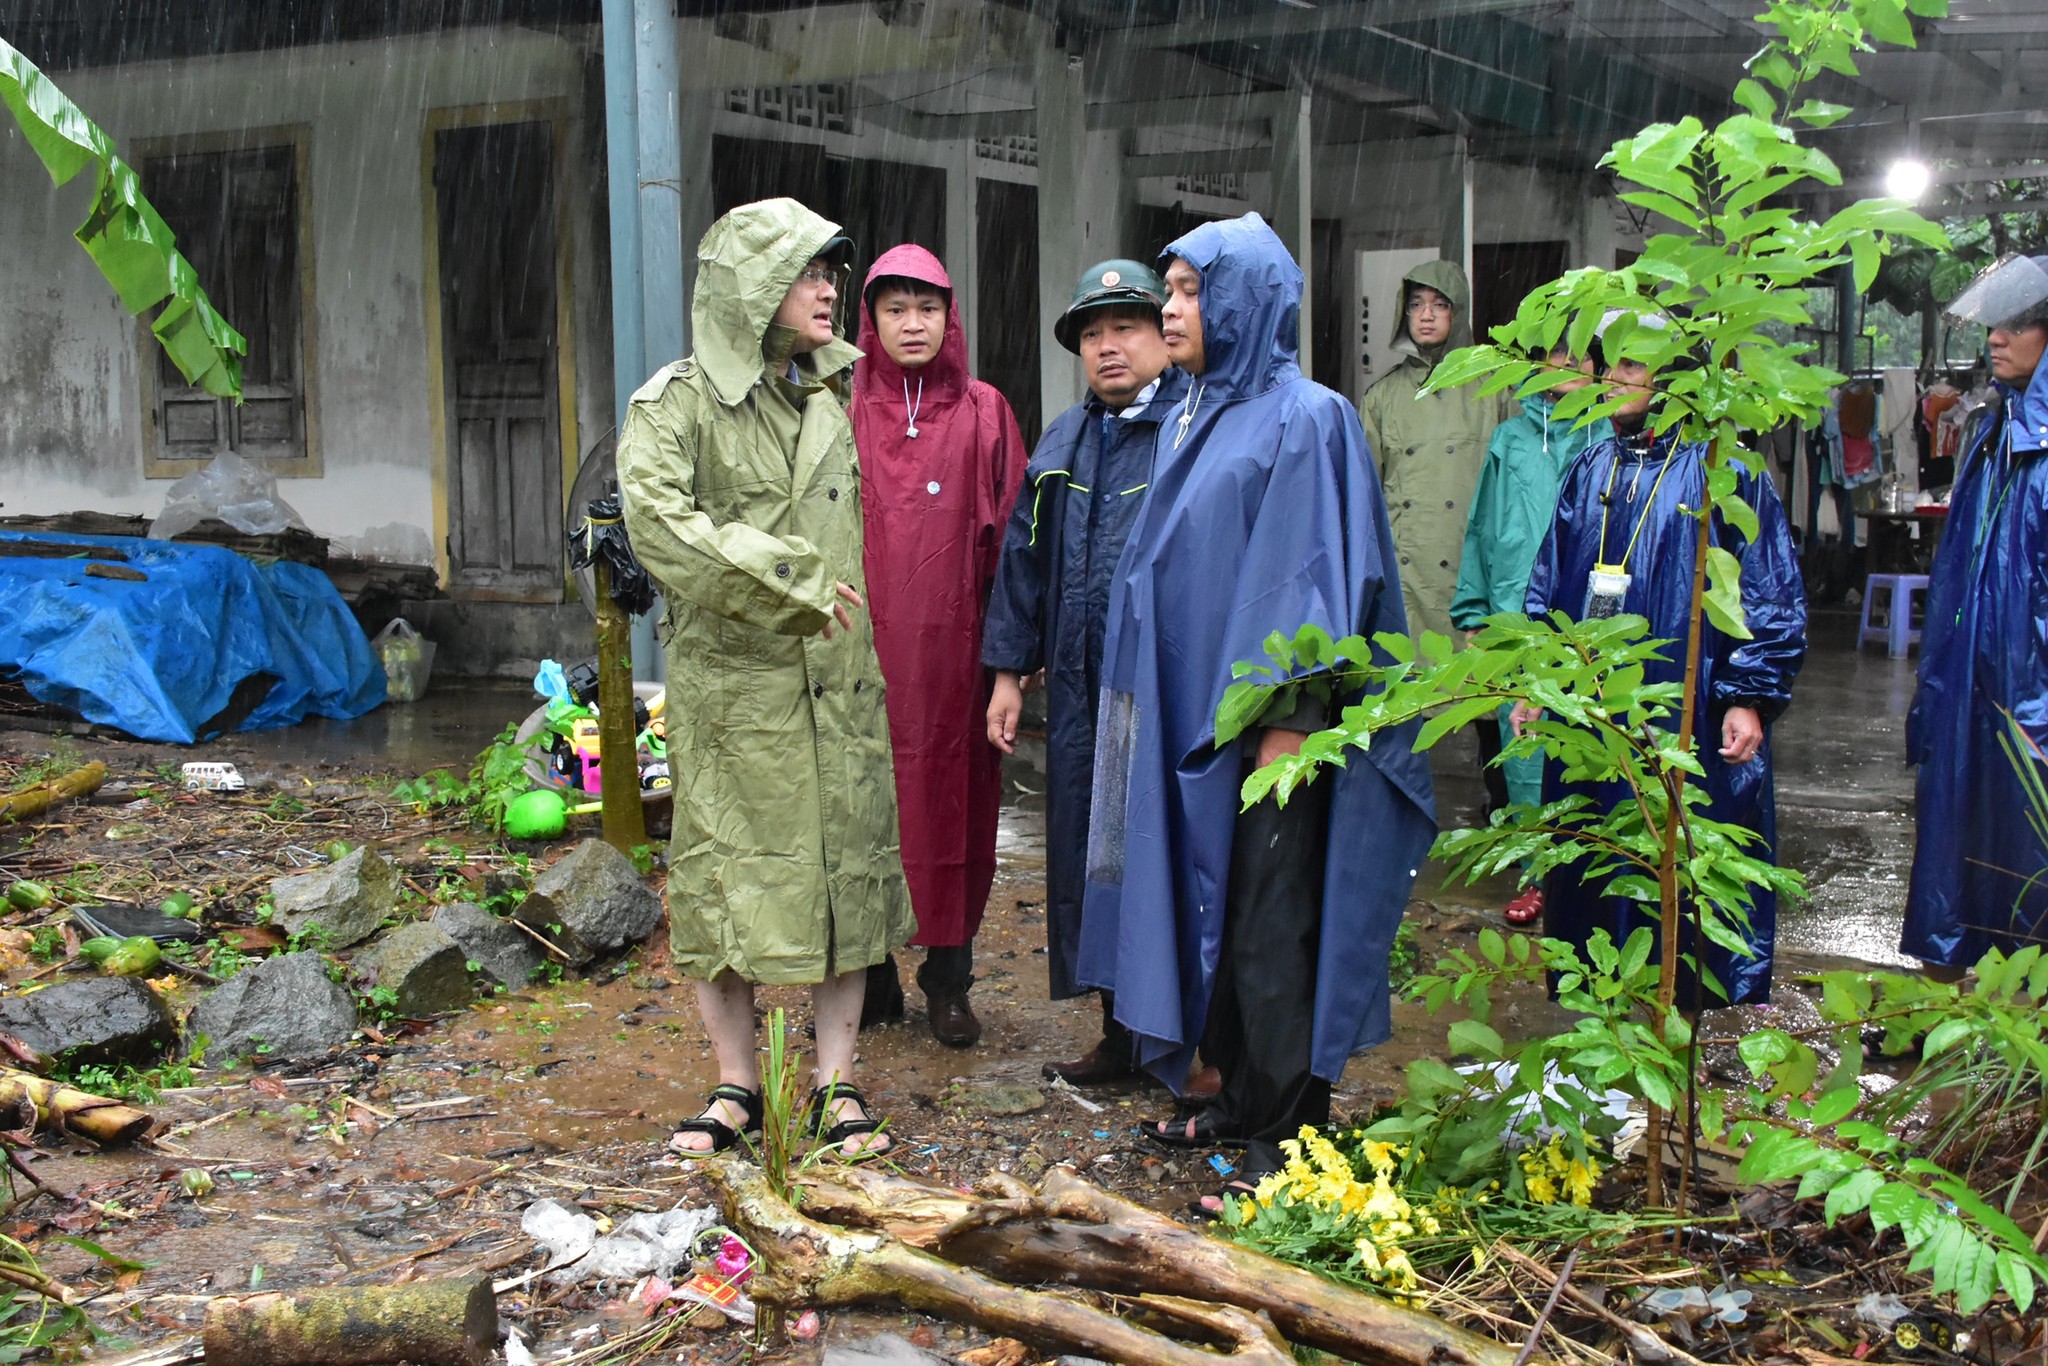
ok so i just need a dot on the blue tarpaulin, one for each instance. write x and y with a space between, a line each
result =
161 657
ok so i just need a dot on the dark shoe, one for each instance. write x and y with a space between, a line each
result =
883 1003
831 1133
1203 1084
1192 1127
953 1023
1101 1065
723 1136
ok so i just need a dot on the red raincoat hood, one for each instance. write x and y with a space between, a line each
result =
945 376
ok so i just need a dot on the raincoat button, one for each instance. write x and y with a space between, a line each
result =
1407 502
833 494
1404 559
1449 504
817 689
1411 450
857 683
1443 564
781 571
1451 450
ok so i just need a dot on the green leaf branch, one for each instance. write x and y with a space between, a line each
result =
123 233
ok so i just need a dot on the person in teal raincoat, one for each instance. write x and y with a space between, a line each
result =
1512 510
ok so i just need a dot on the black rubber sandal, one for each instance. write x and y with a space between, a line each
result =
833 1133
1202 1119
723 1136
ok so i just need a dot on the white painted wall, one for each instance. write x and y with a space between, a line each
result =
71 418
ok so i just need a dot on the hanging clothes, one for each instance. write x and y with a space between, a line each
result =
1980 870
941 460
1641 487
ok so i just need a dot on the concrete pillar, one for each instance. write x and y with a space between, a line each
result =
1596 242
1454 235
963 261
1108 200
1293 171
695 199
1061 113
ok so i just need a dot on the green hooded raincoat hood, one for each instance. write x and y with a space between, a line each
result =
1514 507
742 497
1429 451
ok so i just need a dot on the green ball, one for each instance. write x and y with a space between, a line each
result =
538 815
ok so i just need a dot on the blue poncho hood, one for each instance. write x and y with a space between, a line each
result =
1251 312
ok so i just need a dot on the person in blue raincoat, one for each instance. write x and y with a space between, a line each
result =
1263 935
1622 507
1511 513
1050 608
1978 864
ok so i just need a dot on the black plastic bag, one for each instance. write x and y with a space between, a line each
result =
603 534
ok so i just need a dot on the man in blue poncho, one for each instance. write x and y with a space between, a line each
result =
1624 508
1261 935
1082 491
1980 871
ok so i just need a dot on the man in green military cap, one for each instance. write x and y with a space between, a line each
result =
1082 491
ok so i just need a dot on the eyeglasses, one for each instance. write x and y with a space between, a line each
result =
1429 306
816 275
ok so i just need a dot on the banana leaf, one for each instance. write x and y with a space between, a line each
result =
123 233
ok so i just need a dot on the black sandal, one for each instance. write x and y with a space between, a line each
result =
723 1136
833 1133
1201 1120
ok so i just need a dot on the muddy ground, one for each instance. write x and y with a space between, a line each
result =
414 1152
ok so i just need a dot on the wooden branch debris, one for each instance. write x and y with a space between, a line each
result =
34 800
431 1323
1074 1233
1071 1233
105 1122
809 1263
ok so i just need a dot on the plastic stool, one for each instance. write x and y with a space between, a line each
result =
1896 630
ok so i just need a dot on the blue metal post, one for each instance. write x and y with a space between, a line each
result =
661 170
622 160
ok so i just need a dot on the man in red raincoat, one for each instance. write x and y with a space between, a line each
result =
941 461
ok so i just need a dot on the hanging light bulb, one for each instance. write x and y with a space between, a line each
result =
1908 178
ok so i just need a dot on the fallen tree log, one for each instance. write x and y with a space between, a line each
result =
1074 1233
431 1323
804 1262
40 797
103 1121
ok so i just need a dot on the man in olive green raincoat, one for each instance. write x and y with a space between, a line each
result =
1429 448
742 497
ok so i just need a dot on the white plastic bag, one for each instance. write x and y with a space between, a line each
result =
408 660
236 491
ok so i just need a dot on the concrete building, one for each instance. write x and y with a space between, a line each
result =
458 235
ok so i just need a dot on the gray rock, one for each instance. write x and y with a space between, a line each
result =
1003 1098
103 1020
348 899
884 1349
502 952
285 1007
424 966
595 894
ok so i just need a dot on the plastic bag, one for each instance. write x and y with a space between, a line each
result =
408 660
230 489
603 536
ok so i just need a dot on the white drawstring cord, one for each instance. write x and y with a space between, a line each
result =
911 408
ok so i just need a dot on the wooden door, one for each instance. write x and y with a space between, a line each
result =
494 187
